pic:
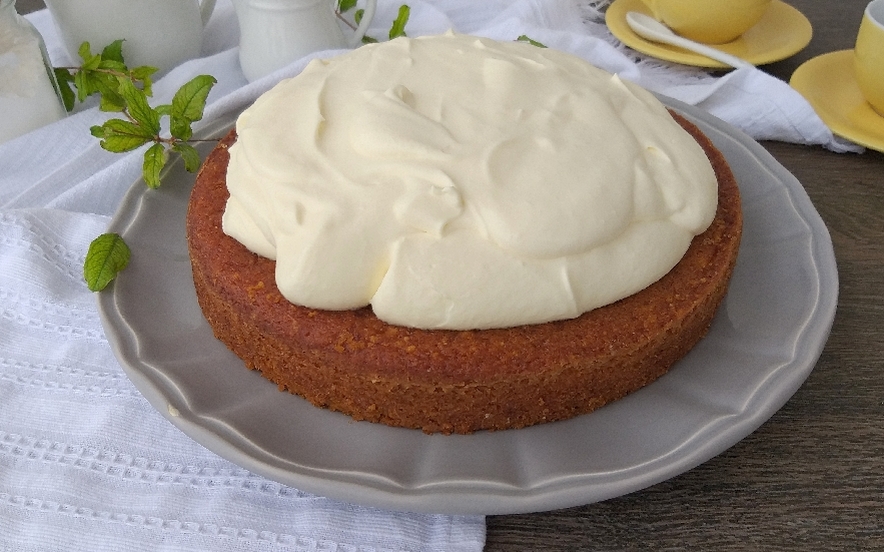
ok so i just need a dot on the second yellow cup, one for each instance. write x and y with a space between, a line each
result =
869 55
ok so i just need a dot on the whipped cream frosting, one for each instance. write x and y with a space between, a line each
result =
462 183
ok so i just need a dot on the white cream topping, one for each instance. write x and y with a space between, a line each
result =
461 183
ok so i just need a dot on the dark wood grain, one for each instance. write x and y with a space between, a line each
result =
812 477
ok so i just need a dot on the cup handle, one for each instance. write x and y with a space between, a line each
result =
367 16
206 9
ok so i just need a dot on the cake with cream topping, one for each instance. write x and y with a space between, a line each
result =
455 234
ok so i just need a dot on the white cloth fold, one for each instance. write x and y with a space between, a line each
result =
85 463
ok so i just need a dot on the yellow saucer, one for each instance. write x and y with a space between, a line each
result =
781 33
829 85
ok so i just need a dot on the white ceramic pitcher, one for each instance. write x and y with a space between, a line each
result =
273 33
159 33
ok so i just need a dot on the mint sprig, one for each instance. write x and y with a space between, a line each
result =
397 29
99 74
143 124
127 92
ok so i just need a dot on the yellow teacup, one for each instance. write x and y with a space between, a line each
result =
709 21
869 55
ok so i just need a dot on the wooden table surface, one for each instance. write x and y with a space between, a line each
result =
812 477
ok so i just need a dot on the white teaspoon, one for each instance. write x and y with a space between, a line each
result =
649 28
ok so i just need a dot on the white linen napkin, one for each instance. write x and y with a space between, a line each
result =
757 103
85 462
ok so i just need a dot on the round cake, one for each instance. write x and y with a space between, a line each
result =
456 380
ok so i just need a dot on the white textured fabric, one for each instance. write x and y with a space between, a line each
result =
85 463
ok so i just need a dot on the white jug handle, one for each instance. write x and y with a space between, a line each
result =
206 9
367 16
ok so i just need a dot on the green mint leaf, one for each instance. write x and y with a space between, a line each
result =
138 108
526 38
85 52
119 136
108 87
188 105
190 100
98 131
398 28
142 74
113 52
163 110
91 63
180 128
357 16
147 87
65 81
84 82
189 154
154 160
111 65
111 104
346 5
368 40
108 254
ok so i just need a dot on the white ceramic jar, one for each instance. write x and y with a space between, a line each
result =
274 33
29 95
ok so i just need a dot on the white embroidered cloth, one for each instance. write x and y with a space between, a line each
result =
85 463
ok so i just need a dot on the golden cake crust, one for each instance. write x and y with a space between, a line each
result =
456 381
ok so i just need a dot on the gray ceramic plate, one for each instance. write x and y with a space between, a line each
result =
763 344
